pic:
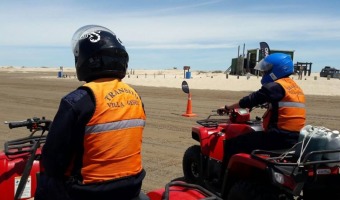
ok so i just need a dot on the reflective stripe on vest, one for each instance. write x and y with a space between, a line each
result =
291 104
114 126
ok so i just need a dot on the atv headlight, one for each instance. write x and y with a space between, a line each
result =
279 178
283 180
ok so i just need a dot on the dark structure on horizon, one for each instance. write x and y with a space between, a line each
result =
244 64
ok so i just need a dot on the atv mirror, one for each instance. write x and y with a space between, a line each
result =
185 87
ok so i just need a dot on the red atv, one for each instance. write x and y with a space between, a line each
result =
20 168
260 174
19 162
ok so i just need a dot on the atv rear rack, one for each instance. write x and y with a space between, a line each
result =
290 158
306 171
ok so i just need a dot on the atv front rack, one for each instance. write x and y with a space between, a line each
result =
212 122
32 142
23 145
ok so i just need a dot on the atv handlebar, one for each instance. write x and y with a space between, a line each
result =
18 124
262 106
225 111
33 123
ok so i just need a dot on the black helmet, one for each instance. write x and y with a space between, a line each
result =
98 53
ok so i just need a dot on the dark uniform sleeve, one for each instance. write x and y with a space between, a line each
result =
270 92
66 133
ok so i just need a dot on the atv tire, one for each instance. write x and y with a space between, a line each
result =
247 190
192 165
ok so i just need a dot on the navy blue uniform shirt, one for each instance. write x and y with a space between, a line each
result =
271 92
66 134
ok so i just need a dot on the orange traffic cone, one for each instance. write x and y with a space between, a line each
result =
189 108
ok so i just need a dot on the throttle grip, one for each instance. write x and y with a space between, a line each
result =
18 124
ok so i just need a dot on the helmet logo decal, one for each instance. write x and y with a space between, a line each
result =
266 52
93 36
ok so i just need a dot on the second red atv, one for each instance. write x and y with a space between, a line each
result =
258 175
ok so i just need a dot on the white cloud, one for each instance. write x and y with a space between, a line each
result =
225 28
187 25
184 46
145 29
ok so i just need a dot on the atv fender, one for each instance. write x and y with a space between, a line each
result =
178 190
195 133
241 167
241 161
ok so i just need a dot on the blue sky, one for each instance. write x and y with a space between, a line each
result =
204 34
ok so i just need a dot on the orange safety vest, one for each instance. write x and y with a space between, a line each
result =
113 136
291 109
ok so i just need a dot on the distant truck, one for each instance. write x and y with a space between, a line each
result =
245 63
330 71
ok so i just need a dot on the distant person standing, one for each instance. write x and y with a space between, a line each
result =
301 68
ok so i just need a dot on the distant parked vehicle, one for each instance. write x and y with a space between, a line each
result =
330 71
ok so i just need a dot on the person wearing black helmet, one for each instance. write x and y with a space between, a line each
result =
285 115
93 149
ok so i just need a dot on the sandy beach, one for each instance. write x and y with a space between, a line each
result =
205 80
36 92
311 85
